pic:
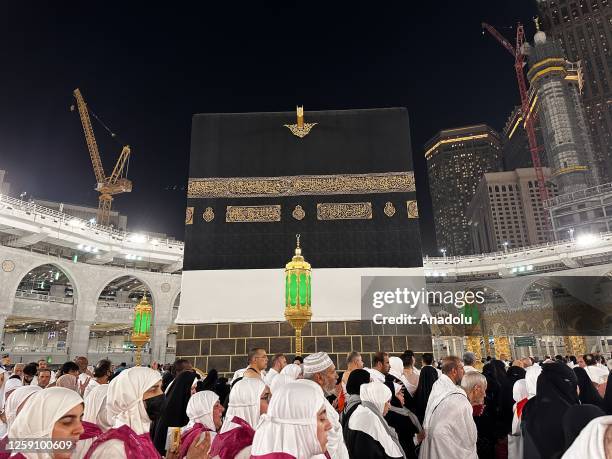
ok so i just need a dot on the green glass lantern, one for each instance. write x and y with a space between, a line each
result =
298 310
142 326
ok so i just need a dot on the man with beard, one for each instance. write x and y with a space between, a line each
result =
320 371
450 430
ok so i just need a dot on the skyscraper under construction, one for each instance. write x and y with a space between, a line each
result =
583 30
556 83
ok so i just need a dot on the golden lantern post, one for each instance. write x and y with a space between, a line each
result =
142 326
298 310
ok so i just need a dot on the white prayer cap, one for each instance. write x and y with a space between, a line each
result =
376 393
316 363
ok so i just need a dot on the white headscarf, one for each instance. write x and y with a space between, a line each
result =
18 397
290 426
293 370
244 403
280 381
10 386
39 415
519 390
531 376
376 393
96 413
5 378
396 367
124 402
95 407
200 409
590 442
364 419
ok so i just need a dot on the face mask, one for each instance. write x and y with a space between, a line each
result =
154 405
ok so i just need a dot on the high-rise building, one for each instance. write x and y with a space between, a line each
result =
555 84
5 186
583 29
456 161
507 212
515 146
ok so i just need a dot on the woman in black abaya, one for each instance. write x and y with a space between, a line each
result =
588 393
427 378
174 410
542 419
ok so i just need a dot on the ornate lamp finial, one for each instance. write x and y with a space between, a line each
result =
537 23
300 129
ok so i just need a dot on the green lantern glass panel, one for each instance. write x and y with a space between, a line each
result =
303 289
148 328
286 290
308 291
136 326
293 289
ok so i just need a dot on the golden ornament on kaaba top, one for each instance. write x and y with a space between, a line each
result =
298 310
208 215
300 129
389 209
298 213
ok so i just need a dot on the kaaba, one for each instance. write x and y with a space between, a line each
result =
341 179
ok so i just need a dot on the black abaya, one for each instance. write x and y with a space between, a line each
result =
542 419
174 411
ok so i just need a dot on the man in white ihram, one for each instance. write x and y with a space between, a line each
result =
450 431
320 371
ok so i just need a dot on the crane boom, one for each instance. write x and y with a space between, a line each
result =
116 183
500 38
92 145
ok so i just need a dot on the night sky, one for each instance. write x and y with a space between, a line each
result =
145 69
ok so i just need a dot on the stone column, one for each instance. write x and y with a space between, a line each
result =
77 339
159 340
545 338
554 344
2 321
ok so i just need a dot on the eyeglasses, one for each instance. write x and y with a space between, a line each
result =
264 357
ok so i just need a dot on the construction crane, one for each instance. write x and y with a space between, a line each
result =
518 52
116 183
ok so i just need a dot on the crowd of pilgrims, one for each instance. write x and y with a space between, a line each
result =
456 408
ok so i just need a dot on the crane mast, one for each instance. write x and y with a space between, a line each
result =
116 183
528 117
